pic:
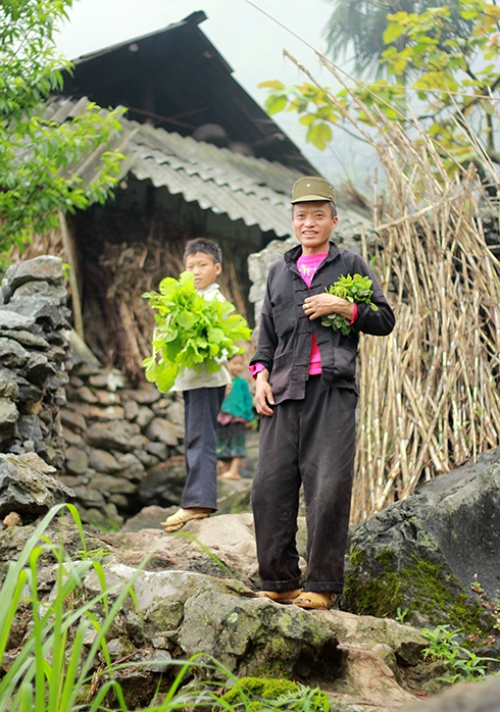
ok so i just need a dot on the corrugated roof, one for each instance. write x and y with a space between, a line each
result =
178 79
242 187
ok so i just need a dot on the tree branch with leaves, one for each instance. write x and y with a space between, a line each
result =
449 79
39 157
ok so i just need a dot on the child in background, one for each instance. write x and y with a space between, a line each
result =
235 414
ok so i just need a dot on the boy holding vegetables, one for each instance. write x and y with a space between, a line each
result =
203 393
306 394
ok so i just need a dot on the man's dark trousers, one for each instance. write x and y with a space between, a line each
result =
309 441
201 406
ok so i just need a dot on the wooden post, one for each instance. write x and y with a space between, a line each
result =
71 256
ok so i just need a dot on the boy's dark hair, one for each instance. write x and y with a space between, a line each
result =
202 244
333 208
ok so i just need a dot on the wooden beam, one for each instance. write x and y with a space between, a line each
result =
72 258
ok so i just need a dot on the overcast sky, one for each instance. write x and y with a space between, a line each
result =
250 42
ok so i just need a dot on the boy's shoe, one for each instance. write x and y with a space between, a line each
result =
315 600
281 596
176 521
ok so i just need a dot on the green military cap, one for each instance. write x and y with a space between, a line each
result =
311 188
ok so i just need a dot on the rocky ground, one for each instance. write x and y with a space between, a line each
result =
196 595
197 592
73 431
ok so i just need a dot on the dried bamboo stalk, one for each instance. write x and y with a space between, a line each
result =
428 394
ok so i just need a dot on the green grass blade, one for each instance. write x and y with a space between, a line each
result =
38 635
102 580
14 589
26 701
70 690
56 675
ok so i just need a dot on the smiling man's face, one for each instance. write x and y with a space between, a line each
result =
313 225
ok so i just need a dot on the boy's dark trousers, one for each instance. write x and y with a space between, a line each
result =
309 441
201 406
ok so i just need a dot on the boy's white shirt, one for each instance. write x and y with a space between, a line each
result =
188 379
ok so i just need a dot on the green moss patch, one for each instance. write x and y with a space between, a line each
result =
253 693
421 585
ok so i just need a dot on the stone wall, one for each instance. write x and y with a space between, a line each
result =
123 446
117 448
34 359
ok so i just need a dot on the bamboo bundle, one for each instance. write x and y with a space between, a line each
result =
429 395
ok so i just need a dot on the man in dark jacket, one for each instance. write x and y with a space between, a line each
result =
306 394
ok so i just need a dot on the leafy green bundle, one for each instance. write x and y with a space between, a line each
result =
355 289
190 331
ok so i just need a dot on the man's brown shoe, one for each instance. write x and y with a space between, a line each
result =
281 596
315 600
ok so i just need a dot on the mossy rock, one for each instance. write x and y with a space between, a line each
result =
253 693
385 587
434 555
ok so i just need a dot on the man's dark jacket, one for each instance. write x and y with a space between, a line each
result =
285 332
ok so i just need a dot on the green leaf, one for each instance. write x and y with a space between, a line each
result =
273 84
392 32
355 289
308 119
468 14
319 135
274 104
190 331
215 334
185 320
166 377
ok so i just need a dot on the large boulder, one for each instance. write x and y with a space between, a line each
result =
435 553
224 619
466 697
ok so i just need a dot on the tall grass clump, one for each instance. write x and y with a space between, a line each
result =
53 666
53 670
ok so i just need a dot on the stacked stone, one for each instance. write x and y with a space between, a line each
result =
117 437
34 358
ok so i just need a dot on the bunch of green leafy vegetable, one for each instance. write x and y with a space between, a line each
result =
190 331
354 289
